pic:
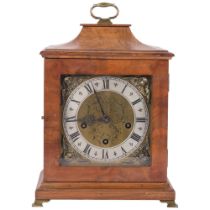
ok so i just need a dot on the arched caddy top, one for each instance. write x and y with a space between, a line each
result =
105 42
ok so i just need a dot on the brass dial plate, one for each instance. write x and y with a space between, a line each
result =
113 132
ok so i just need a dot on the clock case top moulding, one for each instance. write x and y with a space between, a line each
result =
108 41
106 49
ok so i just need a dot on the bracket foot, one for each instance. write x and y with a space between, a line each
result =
170 203
39 202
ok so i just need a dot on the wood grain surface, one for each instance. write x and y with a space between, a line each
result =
105 50
105 42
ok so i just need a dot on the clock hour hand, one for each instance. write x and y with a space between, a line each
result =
105 119
89 119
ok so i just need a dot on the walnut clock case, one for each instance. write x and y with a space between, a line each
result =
105 117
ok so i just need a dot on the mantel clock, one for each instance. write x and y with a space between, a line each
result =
105 117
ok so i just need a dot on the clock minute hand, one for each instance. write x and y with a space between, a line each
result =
97 98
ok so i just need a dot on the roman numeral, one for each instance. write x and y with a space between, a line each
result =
75 101
140 119
135 137
123 150
106 83
105 154
71 119
136 101
87 149
88 88
75 136
124 88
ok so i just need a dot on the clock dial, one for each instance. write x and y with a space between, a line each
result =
105 119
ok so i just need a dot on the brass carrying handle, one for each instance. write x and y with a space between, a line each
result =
104 20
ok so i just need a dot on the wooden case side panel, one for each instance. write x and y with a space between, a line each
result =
157 69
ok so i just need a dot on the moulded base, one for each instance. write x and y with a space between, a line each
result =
46 191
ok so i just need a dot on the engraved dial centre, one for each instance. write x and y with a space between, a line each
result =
117 111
